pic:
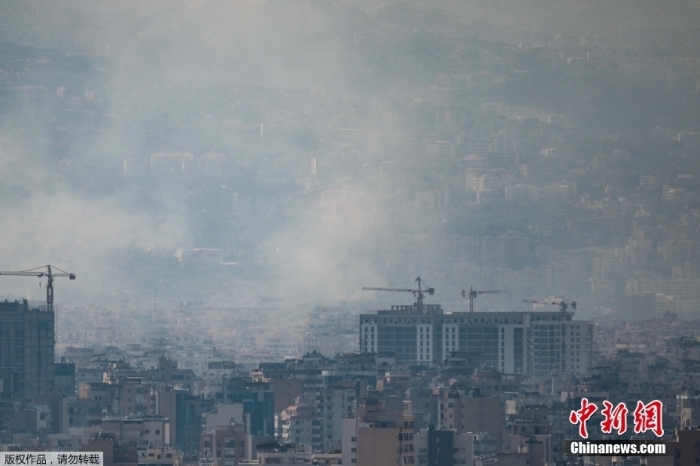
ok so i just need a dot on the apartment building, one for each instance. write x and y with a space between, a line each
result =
27 350
467 412
384 432
436 447
532 343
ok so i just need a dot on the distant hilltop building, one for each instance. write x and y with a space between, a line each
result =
441 149
211 163
171 161
689 141
241 127
550 152
531 343
199 257
477 148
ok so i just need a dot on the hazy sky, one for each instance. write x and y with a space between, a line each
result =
172 74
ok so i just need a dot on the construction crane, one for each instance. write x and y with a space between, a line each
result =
563 305
419 293
49 274
474 293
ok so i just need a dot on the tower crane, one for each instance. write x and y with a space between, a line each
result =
419 293
49 274
563 305
474 293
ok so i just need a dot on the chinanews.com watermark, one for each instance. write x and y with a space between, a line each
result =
617 448
646 417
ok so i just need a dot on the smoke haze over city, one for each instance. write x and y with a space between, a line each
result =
297 151
349 232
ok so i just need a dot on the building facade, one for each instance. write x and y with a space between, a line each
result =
301 425
464 412
437 447
225 445
532 343
384 432
27 350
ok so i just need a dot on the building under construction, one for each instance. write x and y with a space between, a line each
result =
27 350
530 343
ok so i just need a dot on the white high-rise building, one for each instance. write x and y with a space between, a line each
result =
532 343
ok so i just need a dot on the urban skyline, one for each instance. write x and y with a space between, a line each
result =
245 192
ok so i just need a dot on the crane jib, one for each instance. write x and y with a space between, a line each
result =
49 273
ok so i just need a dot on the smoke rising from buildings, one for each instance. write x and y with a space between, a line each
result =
224 178
366 91
165 79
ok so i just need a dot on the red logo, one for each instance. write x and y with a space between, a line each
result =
647 417
615 418
582 415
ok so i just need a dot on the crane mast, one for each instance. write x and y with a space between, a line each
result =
419 292
474 293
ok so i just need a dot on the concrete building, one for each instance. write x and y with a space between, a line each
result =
225 445
300 424
686 450
443 447
286 392
64 379
531 343
689 411
384 432
27 350
186 414
349 442
258 401
70 440
282 455
143 432
89 375
467 412
224 415
159 456
113 452
336 404
532 435
55 408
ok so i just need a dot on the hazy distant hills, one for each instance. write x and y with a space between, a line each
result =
75 24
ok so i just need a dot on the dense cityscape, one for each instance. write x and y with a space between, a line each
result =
237 200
